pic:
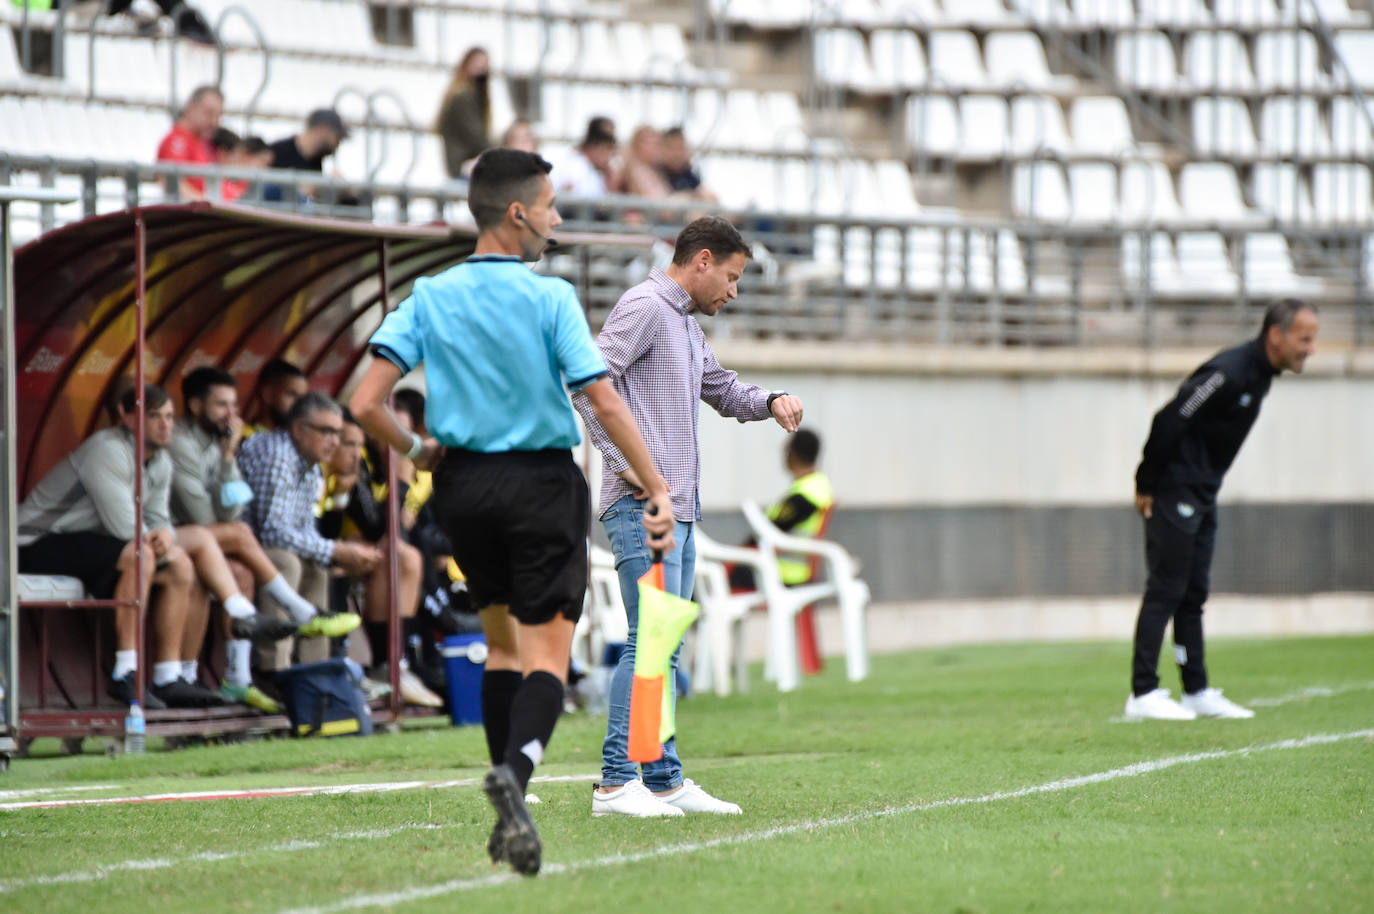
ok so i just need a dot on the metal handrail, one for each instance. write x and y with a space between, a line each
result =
221 51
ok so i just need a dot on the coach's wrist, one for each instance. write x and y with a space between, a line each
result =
417 444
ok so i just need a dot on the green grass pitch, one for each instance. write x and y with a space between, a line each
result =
987 779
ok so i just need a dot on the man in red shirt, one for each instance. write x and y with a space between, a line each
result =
188 141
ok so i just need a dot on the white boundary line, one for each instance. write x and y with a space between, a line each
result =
1312 692
419 893
257 792
44 791
162 863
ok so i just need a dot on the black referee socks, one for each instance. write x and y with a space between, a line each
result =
533 714
498 691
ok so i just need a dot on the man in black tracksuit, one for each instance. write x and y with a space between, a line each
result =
1192 443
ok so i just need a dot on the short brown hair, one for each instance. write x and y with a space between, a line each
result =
711 233
124 396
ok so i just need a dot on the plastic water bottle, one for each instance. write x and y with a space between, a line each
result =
134 729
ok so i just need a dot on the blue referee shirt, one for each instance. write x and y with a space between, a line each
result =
499 343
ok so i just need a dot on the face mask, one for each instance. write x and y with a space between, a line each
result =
233 494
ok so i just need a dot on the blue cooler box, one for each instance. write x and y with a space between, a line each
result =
465 658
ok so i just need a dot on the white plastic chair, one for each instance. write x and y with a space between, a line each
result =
1147 193
1100 124
898 58
983 126
720 650
1217 60
1293 126
956 60
1040 192
1019 58
1037 122
1145 60
1288 60
840 582
1280 192
1093 188
1221 126
1341 193
1204 264
1211 193
1357 50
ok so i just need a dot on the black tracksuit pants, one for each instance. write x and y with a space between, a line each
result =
1178 552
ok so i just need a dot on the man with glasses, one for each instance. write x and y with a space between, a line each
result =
282 467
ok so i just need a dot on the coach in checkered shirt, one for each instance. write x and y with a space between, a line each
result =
661 365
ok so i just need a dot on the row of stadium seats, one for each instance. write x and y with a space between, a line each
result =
1207 193
987 15
953 60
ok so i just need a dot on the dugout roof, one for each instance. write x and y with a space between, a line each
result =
225 285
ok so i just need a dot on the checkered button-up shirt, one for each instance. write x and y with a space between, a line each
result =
285 487
661 365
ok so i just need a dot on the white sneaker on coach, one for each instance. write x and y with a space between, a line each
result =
1156 705
632 799
1211 703
691 798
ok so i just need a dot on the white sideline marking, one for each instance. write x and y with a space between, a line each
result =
43 791
254 793
419 893
1311 692
162 863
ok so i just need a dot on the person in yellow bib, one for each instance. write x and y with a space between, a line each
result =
802 511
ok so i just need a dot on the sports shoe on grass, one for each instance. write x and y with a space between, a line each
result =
249 695
335 626
1211 703
122 691
691 798
182 694
632 799
1156 705
415 692
261 627
514 837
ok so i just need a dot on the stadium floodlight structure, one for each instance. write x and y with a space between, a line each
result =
9 604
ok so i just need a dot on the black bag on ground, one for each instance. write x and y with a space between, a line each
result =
322 698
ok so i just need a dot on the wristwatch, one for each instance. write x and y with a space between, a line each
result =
417 444
773 396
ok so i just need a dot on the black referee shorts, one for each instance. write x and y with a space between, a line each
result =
518 523
90 556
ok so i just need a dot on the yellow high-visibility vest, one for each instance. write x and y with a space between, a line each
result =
815 488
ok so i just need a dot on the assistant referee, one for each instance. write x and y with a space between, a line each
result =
1192 443
502 345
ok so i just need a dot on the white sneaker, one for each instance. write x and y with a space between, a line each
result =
632 799
1211 703
691 798
1156 705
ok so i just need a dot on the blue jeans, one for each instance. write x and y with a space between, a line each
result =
625 527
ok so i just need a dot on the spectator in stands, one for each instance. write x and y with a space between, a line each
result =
283 469
189 140
660 364
464 120
208 491
639 175
354 510
306 151
280 385
190 24
588 172
233 151
801 512
520 135
675 164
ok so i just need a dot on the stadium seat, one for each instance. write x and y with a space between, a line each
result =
1280 191
995 263
898 58
1293 127
1110 14
1210 193
1333 12
1352 127
1093 188
1288 60
1221 127
1203 264
1245 13
1017 59
982 126
840 58
1268 268
1100 125
1145 60
1147 260
1217 61
1037 124
1341 193
1175 14
1357 51
1047 12
1039 192
933 125
955 60
934 259
980 14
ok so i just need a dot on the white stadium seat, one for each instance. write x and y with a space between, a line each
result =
898 58
1037 123
933 125
1288 60
1341 193
1293 127
1147 193
1018 59
1146 60
1280 191
1100 124
1217 60
983 126
1093 188
955 60
1221 126
1210 193
1204 265
1039 192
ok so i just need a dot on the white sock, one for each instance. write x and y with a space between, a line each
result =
238 655
300 609
238 606
189 670
166 671
125 663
